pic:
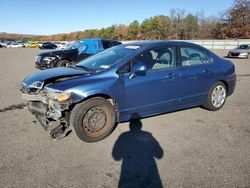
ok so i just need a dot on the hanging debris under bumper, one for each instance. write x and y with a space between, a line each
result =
51 115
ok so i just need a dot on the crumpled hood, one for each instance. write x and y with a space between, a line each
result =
238 51
51 75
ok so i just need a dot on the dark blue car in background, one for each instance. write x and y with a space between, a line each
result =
128 81
77 51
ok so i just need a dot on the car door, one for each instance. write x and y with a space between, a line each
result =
156 91
196 74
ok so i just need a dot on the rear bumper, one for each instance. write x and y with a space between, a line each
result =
231 85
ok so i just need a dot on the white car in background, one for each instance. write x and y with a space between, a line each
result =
14 45
61 45
3 44
241 51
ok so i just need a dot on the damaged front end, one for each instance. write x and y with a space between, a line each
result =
50 107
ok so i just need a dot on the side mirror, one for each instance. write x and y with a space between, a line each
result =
139 68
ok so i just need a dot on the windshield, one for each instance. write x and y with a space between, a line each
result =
243 47
80 45
107 58
74 45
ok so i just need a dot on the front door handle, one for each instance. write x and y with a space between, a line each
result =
206 71
170 76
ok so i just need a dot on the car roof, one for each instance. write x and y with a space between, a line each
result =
160 42
97 39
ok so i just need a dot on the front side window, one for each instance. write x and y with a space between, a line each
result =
193 56
158 58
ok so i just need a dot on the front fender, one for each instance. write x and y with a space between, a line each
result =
78 96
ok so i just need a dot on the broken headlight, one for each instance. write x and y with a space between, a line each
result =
36 84
59 96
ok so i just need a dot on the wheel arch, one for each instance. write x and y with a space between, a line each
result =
104 95
63 58
225 83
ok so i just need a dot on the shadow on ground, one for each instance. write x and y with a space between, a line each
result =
138 149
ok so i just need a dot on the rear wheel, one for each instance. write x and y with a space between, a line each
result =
93 120
216 97
63 63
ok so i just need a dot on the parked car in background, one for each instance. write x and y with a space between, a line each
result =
48 45
241 51
22 43
2 44
14 45
73 53
25 43
32 45
127 81
40 44
61 45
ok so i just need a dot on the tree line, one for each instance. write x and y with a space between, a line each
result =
234 23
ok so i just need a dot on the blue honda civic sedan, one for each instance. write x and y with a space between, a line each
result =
124 82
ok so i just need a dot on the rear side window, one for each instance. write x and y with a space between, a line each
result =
193 56
106 44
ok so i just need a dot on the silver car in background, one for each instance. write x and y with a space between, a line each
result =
241 51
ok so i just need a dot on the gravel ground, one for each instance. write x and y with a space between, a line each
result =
189 148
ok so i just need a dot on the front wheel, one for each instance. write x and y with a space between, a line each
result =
216 97
63 63
93 120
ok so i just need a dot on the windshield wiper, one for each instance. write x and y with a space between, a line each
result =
83 67
86 68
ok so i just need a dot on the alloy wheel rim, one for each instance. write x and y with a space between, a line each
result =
218 96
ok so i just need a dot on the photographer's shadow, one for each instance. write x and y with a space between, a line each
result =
137 150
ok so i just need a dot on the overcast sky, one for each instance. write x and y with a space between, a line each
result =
58 16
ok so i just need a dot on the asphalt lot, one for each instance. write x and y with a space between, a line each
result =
192 148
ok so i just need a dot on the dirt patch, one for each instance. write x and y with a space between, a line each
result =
13 107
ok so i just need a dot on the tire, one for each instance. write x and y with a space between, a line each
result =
214 103
97 111
63 63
